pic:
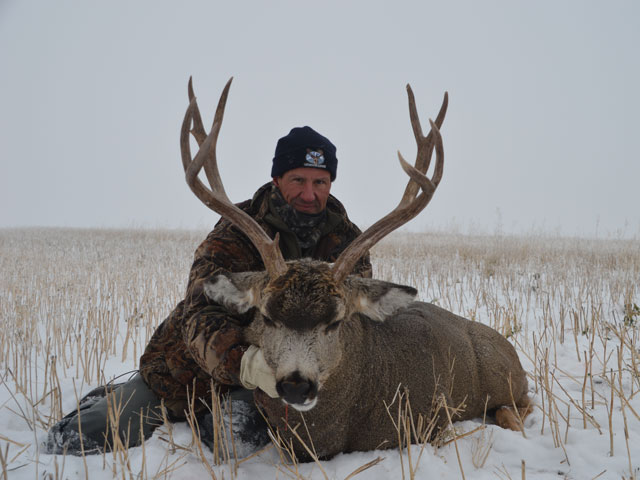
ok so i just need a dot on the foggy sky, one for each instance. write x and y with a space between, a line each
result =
540 136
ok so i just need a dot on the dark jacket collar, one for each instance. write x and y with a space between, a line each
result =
260 211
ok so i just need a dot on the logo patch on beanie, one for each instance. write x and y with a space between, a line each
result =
314 158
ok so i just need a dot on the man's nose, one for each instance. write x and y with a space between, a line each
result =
307 193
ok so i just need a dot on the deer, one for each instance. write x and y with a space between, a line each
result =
343 347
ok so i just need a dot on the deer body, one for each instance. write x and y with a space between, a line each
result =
407 351
340 368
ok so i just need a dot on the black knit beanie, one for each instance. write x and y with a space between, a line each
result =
304 147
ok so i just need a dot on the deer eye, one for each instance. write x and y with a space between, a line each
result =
268 322
332 326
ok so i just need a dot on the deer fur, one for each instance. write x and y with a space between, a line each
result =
341 350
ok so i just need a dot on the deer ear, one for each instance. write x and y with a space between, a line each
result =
237 291
377 299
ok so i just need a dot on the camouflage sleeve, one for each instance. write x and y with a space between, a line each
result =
212 334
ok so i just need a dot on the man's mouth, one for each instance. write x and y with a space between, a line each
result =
306 207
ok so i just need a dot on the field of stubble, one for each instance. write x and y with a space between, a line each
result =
77 308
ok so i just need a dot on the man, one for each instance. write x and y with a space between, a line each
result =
201 344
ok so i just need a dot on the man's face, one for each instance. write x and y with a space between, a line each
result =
305 189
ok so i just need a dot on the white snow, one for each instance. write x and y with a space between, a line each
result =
545 294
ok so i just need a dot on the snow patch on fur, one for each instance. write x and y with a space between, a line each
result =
386 305
222 290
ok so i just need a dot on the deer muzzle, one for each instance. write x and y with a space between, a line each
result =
297 391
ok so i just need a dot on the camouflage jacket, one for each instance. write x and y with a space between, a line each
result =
179 358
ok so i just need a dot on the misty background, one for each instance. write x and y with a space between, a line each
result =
540 137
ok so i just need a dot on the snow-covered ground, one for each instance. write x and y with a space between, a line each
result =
77 308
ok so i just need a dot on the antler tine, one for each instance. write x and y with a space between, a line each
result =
211 164
425 144
410 205
198 130
216 198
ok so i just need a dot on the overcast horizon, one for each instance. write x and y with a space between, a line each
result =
539 136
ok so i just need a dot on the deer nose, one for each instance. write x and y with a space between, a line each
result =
295 389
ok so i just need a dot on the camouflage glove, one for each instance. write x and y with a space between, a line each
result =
254 372
229 348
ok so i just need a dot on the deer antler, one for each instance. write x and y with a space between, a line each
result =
411 203
216 198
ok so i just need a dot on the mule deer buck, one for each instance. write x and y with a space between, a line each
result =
341 346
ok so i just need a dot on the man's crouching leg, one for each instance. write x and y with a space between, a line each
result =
130 408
